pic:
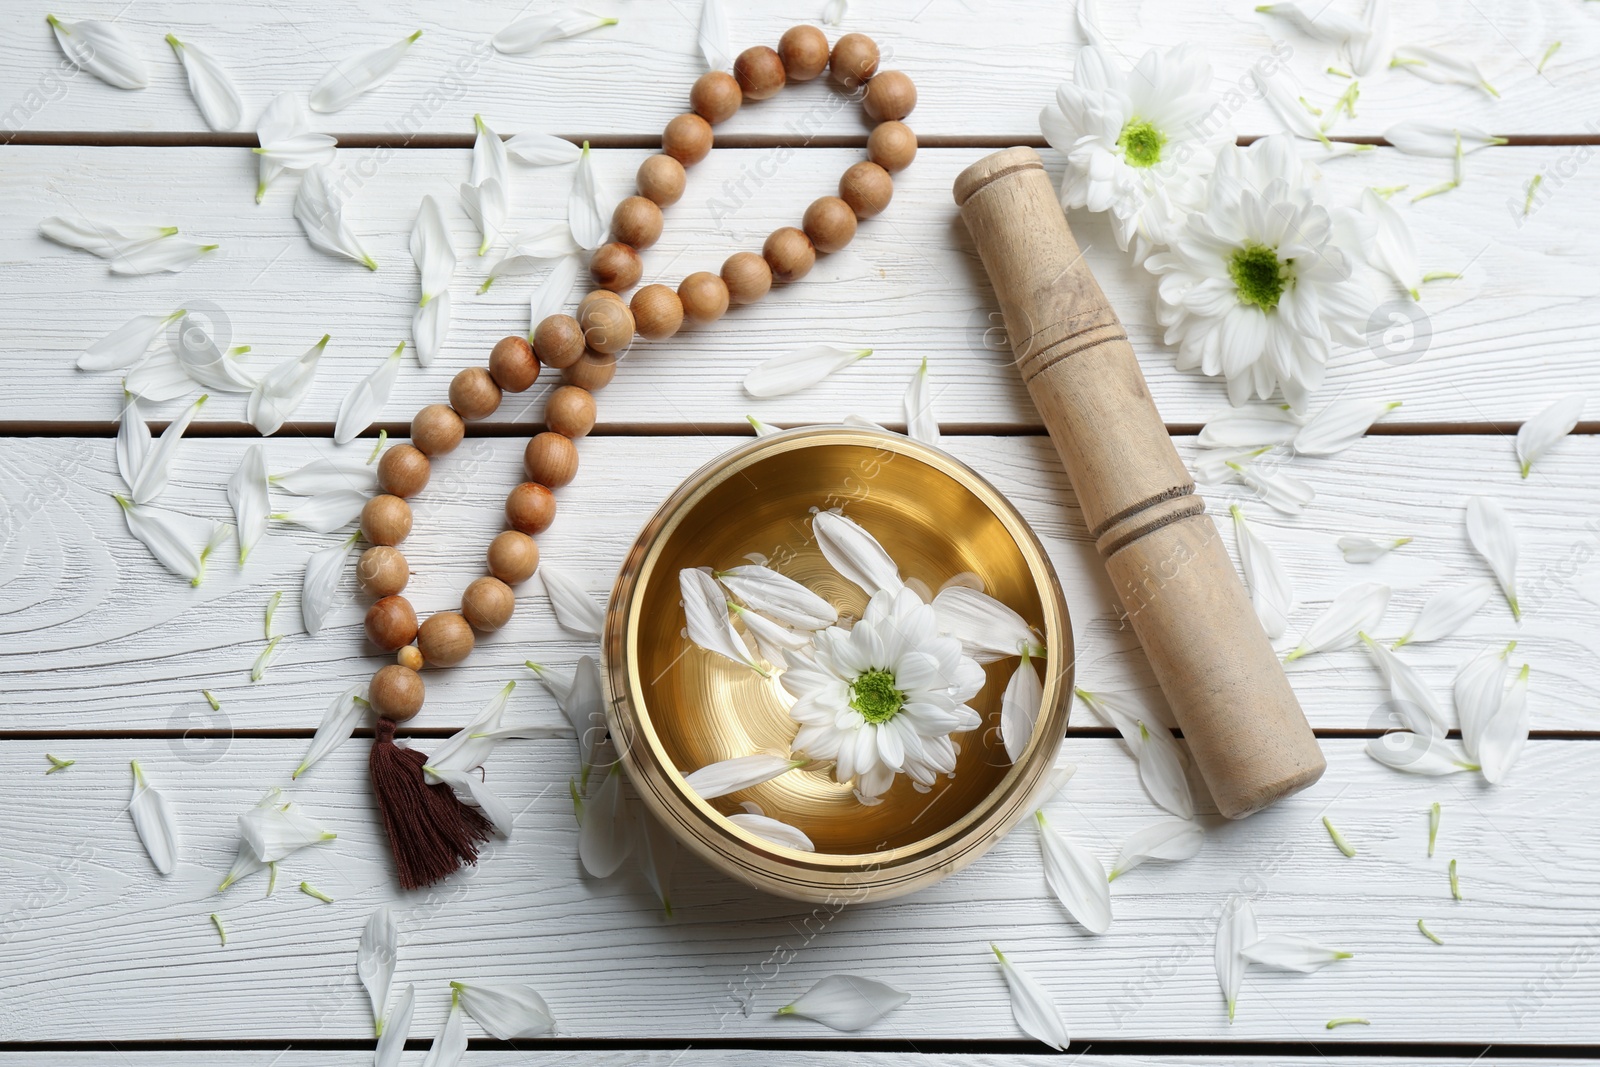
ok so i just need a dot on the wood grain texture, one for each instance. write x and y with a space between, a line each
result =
693 1057
976 74
96 943
96 636
1499 345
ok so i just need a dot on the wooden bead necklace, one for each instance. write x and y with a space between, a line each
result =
431 832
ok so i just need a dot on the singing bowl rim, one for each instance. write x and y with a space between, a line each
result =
774 868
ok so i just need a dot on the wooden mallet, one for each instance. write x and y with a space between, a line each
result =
1227 690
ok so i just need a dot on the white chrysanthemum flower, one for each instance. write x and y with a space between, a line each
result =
883 697
1138 144
1254 288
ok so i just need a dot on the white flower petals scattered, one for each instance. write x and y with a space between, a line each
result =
396 1029
527 34
1032 1005
1271 590
449 1048
358 74
326 475
846 1002
800 369
484 196
657 850
605 837
1480 687
1536 437
153 819
1369 549
468 747
1236 930
319 208
170 254
1160 758
709 623
769 829
375 961
436 264
507 1010
1251 426
319 590
1427 139
99 238
338 723
274 830
1432 65
280 392
855 553
1019 708
287 142
1417 754
180 543
1506 732
1325 23
155 466
1277 489
778 596
1076 878
133 441
325 512
1370 53
574 607
1356 610
1447 611
987 629
542 149
363 404
1409 696
247 495
127 344
588 205
715 42
921 425
1491 533
1286 952
210 85
741 772
553 292
104 50
1168 841
1339 425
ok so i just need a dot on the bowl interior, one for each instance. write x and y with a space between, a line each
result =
704 708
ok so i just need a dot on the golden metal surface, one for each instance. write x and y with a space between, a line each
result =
673 707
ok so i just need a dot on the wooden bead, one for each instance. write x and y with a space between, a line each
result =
382 570
436 429
593 372
558 341
474 394
607 323
403 470
760 72
396 692
687 139
891 94
530 508
867 188
385 520
445 639
716 96
855 60
892 146
391 623
704 296
551 459
657 312
829 223
409 657
804 51
789 253
513 557
637 221
747 277
616 266
513 364
570 411
661 178
487 604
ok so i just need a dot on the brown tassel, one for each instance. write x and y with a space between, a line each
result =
432 834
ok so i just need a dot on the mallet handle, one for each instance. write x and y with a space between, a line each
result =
1228 692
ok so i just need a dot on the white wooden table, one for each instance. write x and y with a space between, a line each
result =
104 655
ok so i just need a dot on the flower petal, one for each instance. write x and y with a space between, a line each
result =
921 425
1019 708
431 251
1339 425
553 292
179 542
604 835
1409 696
769 829
709 623
778 596
104 50
1170 841
1506 733
153 819
273 831
375 960
987 629
157 462
133 441
1491 533
1076 878
1429 139
326 475
486 205
325 512
1325 23
1479 691
170 254
1369 549
210 85
742 772
507 1010
1536 437
286 142
542 149
357 74
449 1048
527 34
319 208
470 789
1277 489
280 392
1432 65
1417 754
1032 1005
319 589
467 748
714 40
396 1028
100 238
339 722
1271 590
363 404
657 850
855 553
573 606
1251 426
1447 611
126 345
846 1002
800 369
588 205
1286 952
1370 54
1356 610
1160 758
1235 930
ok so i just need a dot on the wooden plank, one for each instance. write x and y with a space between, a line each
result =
706 1058
98 637
976 74
1499 345
96 944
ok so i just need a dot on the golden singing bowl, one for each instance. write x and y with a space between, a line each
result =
673 707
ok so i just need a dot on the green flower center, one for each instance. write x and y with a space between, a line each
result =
873 694
1141 143
1258 276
